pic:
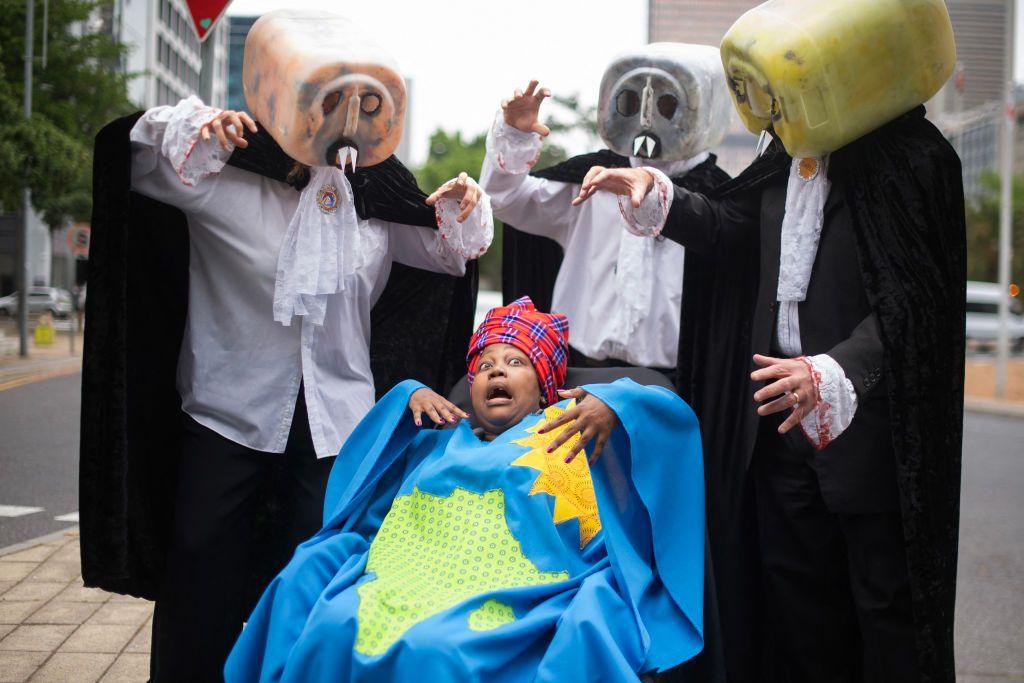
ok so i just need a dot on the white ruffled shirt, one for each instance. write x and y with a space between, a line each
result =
801 230
239 370
620 289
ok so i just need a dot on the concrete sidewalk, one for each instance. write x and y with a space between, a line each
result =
980 386
53 629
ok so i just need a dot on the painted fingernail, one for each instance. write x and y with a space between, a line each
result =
568 460
550 449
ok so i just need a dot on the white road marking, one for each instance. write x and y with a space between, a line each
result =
70 517
17 510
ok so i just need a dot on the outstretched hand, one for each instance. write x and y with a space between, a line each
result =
229 126
794 388
437 407
591 418
464 189
522 111
634 183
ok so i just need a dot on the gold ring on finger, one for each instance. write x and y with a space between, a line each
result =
796 399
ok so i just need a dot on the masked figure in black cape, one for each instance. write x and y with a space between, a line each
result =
285 296
664 105
856 311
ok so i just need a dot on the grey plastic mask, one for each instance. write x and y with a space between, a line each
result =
664 101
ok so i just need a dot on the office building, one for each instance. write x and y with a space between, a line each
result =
238 29
165 52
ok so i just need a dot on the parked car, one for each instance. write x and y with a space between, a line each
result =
983 316
56 302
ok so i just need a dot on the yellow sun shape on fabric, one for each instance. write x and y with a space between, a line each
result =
569 483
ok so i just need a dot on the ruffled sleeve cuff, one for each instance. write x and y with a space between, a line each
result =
192 157
512 150
836 405
471 238
649 219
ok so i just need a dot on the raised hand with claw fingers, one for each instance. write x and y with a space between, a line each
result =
523 109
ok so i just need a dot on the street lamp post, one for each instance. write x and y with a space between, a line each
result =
26 195
1006 210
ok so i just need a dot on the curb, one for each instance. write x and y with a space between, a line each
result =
992 406
40 540
14 379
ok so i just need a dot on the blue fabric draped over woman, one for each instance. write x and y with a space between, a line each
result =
489 551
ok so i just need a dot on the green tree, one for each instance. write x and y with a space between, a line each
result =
983 231
450 153
73 96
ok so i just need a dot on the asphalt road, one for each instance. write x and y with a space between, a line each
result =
39 456
990 583
39 468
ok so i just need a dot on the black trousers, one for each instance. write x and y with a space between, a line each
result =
239 514
836 586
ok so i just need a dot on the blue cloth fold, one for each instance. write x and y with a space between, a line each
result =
443 557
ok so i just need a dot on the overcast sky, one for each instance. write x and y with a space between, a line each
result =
463 56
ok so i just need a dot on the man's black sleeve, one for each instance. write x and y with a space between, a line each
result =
860 356
707 225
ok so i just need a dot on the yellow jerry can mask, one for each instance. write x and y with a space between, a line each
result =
826 73
319 86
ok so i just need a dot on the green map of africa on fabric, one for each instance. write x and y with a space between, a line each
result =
432 553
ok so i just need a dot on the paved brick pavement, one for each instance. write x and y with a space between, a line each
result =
52 629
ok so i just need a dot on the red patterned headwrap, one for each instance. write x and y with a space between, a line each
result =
543 337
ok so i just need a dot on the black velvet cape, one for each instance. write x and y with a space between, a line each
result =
530 263
904 189
138 299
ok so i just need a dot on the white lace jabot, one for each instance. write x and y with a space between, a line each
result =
322 247
801 227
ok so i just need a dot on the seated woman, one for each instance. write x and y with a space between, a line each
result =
494 550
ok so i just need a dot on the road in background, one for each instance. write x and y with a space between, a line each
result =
990 582
38 457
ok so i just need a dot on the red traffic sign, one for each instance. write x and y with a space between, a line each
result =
205 15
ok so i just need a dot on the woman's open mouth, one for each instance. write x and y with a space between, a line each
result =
498 395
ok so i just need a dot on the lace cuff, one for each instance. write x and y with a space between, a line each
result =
192 157
471 238
513 150
649 219
837 402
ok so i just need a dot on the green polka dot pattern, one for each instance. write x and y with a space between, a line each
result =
433 552
489 615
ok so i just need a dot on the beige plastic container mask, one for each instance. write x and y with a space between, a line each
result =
317 84
827 72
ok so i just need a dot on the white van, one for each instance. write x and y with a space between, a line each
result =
983 316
